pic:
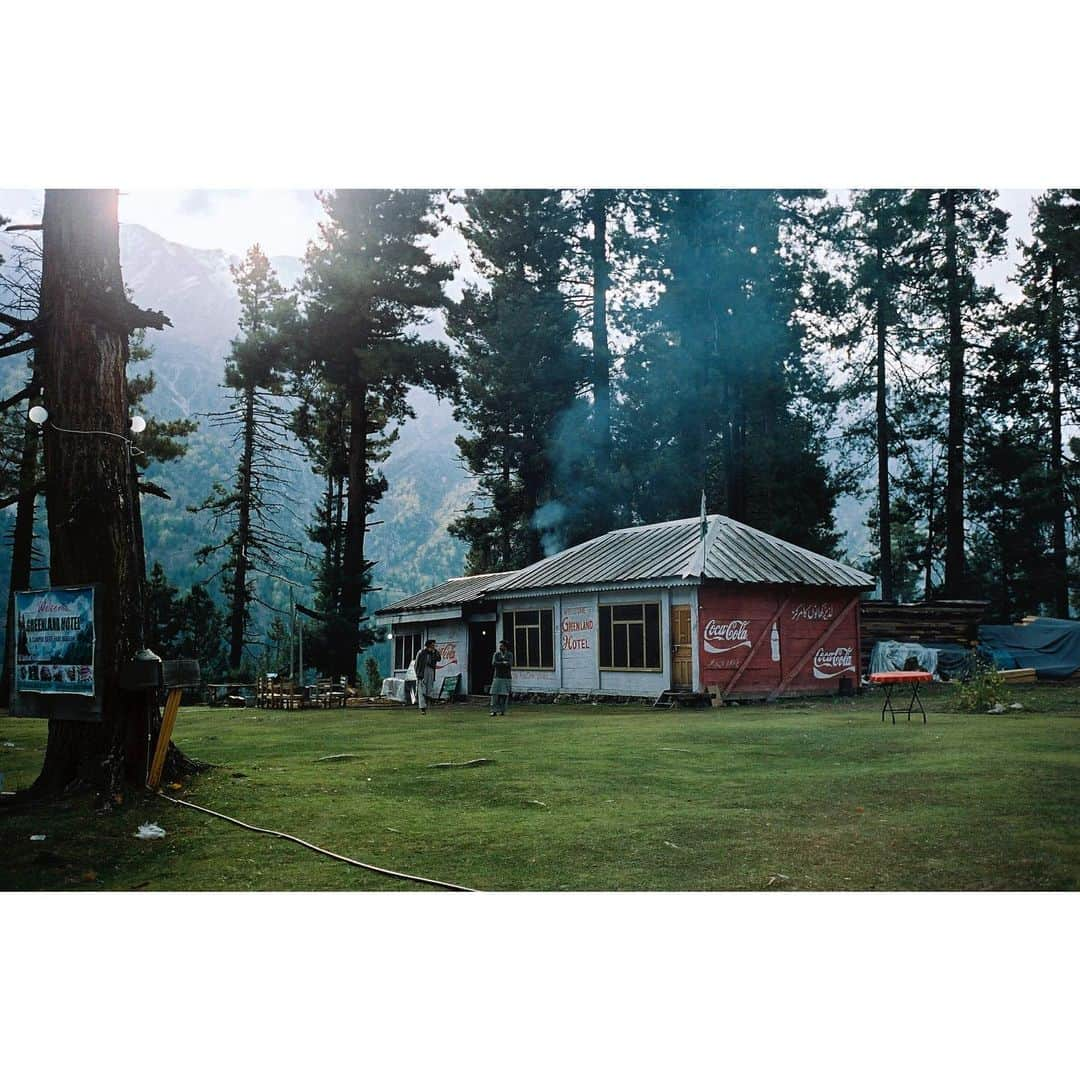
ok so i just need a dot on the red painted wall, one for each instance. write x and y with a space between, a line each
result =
732 620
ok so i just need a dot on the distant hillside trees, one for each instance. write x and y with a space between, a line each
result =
370 282
190 627
252 514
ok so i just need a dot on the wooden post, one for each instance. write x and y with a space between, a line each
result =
168 719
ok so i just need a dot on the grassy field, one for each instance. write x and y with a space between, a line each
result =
804 795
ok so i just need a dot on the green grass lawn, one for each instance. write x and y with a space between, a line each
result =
803 795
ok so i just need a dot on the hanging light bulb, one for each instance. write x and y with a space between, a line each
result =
138 424
38 414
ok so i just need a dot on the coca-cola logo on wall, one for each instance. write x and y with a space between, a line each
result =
723 637
832 663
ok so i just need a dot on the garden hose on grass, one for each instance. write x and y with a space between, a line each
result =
321 851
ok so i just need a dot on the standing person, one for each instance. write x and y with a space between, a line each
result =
427 660
502 664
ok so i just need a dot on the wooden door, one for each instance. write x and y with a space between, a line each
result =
682 649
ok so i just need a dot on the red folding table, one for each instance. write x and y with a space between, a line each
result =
891 680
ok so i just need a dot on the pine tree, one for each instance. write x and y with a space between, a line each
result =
964 230
1046 347
718 392
20 438
278 646
203 633
161 440
600 204
320 422
610 270
521 373
252 511
81 341
163 614
370 281
1010 511
874 329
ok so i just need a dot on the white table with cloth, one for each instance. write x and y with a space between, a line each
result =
403 690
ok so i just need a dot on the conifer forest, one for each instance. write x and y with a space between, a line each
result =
453 382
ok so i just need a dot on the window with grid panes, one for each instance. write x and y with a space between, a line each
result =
630 637
406 646
532 637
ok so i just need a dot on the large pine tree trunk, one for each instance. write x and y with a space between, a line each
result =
955 584
353 569
931 536
238 598
505 537
339 540
736 457
82 354
884 514
601 358
1057 481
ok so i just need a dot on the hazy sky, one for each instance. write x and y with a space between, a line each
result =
281 221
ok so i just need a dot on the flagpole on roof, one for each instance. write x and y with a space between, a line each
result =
704 532
697 567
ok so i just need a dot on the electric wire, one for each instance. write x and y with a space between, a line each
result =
322 851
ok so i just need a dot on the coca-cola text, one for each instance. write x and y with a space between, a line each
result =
735 634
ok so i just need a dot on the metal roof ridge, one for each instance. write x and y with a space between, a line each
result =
695 567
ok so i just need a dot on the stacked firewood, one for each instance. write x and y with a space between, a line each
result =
955 621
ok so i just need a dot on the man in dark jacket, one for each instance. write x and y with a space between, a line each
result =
427 660
502 664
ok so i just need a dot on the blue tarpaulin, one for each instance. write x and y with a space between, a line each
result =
1050 646
944 660
959 662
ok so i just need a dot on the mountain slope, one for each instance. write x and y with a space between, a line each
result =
194 288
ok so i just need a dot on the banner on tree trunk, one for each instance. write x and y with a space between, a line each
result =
54 641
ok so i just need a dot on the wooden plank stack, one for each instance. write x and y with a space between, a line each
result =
1018 675
955 621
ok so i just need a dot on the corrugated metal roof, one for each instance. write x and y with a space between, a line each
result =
670 551
639 554
450 593
737 553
